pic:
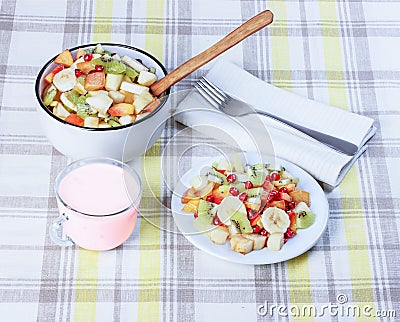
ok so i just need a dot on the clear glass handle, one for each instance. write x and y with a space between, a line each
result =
56 232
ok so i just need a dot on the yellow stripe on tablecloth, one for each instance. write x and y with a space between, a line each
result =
298 268
150 261
356 234
85 297
103 21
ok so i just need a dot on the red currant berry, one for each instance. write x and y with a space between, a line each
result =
289 233
243 196
248 185
210 198
263 232
195 215
233 191
268 178
216 221
275 176
99 68
78 73
283 189
87 57
292 205
231 178
256 229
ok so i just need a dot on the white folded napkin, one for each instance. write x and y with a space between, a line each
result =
325 164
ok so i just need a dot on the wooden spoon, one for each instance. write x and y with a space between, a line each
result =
251 26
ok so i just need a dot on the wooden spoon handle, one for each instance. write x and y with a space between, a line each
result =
243 31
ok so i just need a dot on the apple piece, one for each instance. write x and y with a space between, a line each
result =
91 121
74 119
259 240
133 88
121 109
94 93
241 244
95 81
113 82
146 78
85 67
219 235
300 196
65 58
193 193
79 88
117 97
100 102
61 111
142 101
133 63
129 97
127 79
127 119
67 103
80 53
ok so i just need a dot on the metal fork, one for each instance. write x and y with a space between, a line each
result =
234 107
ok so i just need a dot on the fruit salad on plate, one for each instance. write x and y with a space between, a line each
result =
252 206
99 89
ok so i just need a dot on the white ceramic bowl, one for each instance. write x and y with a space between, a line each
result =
121 143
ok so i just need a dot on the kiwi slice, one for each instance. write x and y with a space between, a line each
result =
304 219
224 189
204 207
113 123
84 110
257 178
240 221
49 95
110 65
239 186
203 223
130 72
259 166
254 192
219 175
284 182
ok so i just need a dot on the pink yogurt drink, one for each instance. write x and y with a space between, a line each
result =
98 201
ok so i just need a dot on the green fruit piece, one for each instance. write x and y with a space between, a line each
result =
113 123
98 61
81 80
240 221
84 110
254 192
284 182
305 219
239 186
223 189
259 166
152 70
219 175
98 49
304 216
115 67
204 207
130 72
203 224
49 95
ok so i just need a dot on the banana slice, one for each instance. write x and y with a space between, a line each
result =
229 206
275 241
199 182
275 220
65 80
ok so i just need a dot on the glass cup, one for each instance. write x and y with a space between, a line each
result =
98 201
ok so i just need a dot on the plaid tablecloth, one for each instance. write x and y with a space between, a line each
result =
345 53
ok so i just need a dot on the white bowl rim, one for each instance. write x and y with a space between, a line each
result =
41 72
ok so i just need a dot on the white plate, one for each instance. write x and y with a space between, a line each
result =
302 242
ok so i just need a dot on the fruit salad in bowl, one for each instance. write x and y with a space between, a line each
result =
94 101
99 89
252 206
